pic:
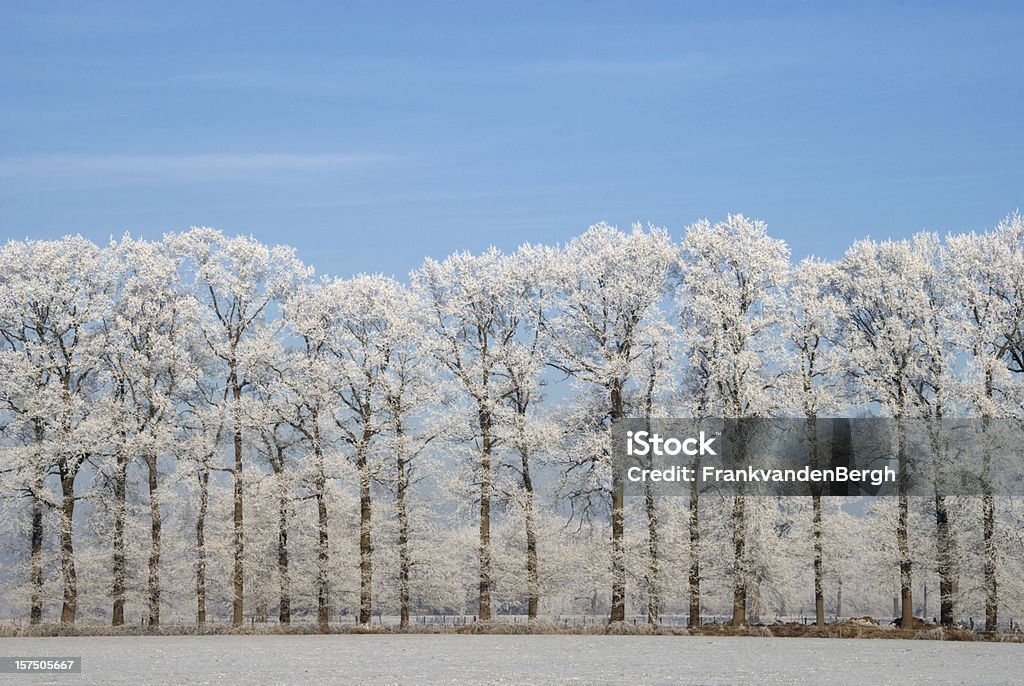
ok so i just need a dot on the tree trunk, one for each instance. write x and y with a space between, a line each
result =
155 526
819 564
485 419
906 594
945 545
988 507
946 562
988 521
238 576
365 540
653 572
693 524
404 563
532 567
653 590
284 615
204 498
739 572
36 573
618 610
67 547
323 552
118 571
754 600
739 533
902 537
811 438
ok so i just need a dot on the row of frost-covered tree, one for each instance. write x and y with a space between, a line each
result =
197 428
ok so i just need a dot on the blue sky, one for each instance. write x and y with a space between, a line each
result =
371 134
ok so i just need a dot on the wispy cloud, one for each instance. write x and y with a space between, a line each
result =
260 79
185 167
705 66
575 66
358 75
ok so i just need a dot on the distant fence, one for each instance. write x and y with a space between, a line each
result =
561 620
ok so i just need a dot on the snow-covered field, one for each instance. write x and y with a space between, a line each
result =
457 659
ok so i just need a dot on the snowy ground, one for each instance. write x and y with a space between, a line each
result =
458 659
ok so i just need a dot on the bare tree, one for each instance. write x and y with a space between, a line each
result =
887 327
732 276
986 276
605 284
234 280
474 315
810 382
55 293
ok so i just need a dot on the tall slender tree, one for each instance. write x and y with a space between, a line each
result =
372 320
813 372
986 281
56 292
235 281
310 384
606 284
733 273
147 355
474 311
411 392
886 328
